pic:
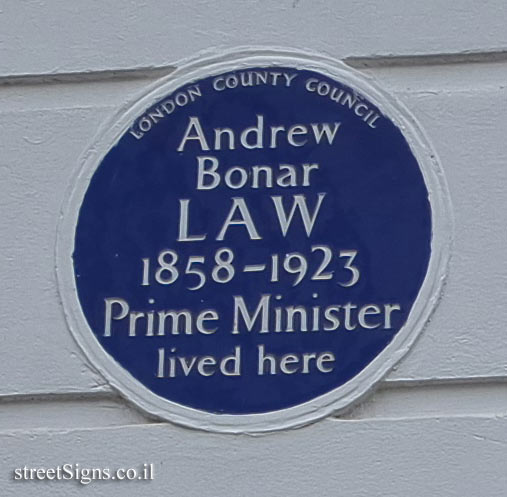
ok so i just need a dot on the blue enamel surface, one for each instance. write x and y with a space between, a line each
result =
376 203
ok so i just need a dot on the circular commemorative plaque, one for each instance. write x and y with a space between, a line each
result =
254 243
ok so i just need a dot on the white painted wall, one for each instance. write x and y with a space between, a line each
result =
437 425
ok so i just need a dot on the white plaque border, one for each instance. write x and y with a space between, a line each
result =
334 401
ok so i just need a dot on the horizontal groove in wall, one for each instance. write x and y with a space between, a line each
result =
458 398
427 60
151 72
86 77
67 412
393 401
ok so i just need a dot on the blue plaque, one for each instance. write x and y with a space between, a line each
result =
253 243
